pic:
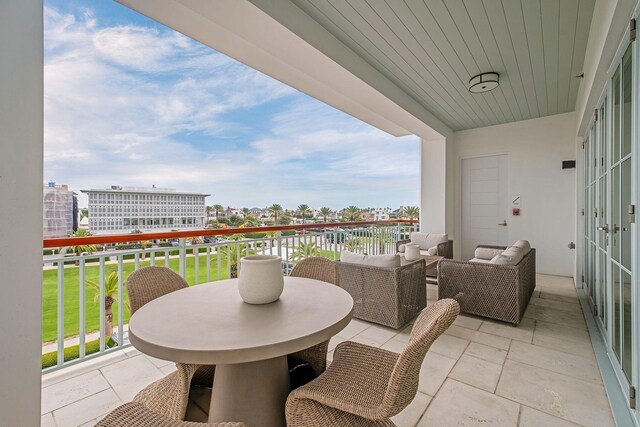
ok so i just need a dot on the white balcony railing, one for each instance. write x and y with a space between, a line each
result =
76 287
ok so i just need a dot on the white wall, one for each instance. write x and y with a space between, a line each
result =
433 165
536 149
21 120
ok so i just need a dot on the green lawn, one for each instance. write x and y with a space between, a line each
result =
72 290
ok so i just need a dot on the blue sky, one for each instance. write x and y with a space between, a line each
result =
130 102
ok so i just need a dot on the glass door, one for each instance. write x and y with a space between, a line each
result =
608 185
619 230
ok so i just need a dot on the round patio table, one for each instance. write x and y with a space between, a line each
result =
209 324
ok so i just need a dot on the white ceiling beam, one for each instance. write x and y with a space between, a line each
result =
283 42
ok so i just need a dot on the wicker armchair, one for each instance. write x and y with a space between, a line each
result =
168 396
320 269
137 415
364 385
500 292
445 249
388 296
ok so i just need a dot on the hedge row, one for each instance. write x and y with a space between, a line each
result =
73 352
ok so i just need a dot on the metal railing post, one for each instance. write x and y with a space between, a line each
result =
102 307
279 239
82 303
60 312
182 252
120 302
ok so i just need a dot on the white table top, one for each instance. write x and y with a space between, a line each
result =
210 324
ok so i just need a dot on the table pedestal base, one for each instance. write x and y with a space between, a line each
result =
254 392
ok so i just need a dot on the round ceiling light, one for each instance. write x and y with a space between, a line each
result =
483 82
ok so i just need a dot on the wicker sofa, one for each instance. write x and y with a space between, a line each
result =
443 247
389 296
500 292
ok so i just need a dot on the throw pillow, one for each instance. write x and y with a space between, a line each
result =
486 253
524 245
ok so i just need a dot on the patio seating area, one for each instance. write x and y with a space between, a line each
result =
480 372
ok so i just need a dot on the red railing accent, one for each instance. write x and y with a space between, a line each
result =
121 238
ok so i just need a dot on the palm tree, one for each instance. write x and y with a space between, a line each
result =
412 212
271 235
325 212
352 213
218 209
84 213
144 244
110 296
305 250
353 244
229 254
80 249
245 213
276 210
303 209
208 210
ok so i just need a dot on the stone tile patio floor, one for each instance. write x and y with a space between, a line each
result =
480 373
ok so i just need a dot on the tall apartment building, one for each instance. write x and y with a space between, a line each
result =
59 211
124 209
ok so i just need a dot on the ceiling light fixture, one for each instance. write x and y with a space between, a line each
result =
484 82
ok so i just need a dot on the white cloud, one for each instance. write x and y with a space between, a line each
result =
122 104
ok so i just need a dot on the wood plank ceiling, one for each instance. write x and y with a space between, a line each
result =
432 48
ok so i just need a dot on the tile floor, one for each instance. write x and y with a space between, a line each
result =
480 373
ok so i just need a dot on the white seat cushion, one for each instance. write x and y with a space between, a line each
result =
427 241
429 252
484 261
385 261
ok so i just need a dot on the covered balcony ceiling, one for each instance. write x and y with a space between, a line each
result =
402 66
431 49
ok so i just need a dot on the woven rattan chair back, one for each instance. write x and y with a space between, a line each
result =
149 283
430 324
316 268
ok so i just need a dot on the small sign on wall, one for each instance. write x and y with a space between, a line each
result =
516 205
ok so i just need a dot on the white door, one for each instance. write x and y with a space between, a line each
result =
485 203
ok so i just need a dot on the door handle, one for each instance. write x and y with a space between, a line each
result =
615 228
604 228
503 223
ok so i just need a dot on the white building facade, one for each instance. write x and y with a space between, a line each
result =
126 209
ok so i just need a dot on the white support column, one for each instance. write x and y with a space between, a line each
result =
433 179
21 122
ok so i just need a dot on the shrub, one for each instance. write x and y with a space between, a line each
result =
73 352
289 233
256 235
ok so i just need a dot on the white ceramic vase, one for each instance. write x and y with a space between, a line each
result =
412 252
260 279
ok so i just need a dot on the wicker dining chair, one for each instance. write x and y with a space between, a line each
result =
325 270
365 386
169 395
135 414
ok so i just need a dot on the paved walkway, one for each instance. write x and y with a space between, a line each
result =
479 373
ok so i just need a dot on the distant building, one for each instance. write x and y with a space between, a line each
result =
59 211
381 214
125 209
